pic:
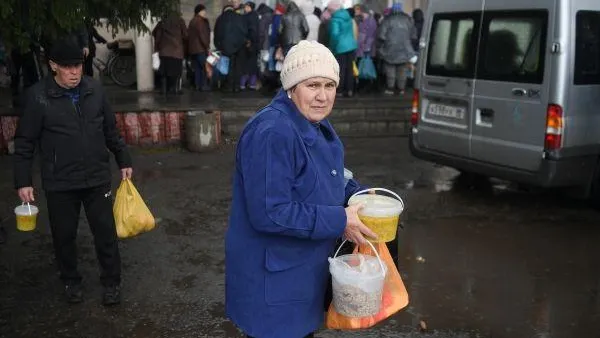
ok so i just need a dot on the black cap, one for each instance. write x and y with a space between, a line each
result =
66 52
250 4
199 8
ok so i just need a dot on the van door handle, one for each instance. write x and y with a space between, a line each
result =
436 84
484 112
519 92
484 117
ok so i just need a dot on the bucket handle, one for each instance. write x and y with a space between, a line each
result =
380 189
374 250
28 207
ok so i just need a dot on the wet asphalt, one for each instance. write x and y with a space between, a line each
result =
480 258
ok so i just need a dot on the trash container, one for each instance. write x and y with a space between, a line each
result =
202 130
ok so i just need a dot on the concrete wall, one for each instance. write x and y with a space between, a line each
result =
164 128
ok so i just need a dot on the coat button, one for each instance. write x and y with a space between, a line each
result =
334 172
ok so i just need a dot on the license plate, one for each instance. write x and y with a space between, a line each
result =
446 111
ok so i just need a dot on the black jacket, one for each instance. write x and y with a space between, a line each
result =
265 17
230 33
294 27
73 138
253 34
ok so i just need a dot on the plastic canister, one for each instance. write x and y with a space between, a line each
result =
380 213
357 283
26 215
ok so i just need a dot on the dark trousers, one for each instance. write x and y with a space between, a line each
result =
308 336
346 73
88 65
236 68
199 71
63 210
27 64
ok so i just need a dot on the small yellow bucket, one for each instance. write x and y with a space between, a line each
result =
380 213
26 217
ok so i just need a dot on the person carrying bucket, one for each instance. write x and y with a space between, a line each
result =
288 205
69 117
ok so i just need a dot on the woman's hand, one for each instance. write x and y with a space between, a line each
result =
355 229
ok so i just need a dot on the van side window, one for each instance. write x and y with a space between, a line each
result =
513 46
587 48
452 44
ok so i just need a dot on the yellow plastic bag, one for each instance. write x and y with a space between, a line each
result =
132 216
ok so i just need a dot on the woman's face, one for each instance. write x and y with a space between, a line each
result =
314 98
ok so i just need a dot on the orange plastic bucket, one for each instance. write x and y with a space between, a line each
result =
26 215
380 213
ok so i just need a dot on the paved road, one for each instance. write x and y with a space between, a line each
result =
489 260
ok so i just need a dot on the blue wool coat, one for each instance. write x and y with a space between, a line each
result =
286 214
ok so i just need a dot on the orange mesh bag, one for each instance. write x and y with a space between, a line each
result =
394 295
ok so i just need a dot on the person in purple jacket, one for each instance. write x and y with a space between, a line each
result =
288 207
367 34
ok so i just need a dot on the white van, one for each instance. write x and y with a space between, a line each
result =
511 89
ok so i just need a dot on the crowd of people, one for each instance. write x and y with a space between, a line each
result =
254 40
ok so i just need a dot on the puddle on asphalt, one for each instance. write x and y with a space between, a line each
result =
444 179
504 277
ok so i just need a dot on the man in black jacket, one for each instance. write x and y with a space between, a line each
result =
68 117
230 39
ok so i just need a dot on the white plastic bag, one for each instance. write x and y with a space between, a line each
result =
155 61
362 271
264 55
213 58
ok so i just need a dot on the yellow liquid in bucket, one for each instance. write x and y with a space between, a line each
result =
26 222
385 227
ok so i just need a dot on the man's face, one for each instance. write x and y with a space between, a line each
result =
357 11
247 9
67 76
236 3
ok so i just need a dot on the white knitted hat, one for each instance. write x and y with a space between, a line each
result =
308 59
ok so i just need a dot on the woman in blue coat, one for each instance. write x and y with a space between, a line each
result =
288 203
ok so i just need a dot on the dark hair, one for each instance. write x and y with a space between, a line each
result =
351 12
199 8
318 12
418 15
250 4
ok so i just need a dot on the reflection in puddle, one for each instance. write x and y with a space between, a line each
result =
443 186
409 185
